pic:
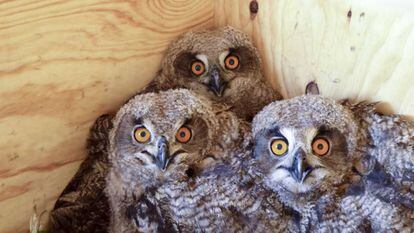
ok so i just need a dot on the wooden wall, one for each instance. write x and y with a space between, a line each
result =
63 63
361 49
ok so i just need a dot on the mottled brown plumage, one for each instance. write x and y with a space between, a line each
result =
391 142
348 187
83 206
140 170
224 198
241 87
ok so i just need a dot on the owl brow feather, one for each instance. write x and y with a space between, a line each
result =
323 129
137 121
274 131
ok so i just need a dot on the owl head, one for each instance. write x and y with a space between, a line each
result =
216 63
305 145
157 137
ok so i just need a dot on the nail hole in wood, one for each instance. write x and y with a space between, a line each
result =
254 7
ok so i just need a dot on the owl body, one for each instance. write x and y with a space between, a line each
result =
391 142
224 198
317 155
140 168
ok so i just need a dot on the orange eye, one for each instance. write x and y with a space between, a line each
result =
142 134
320 146
231 62
197 67
183 135
279 147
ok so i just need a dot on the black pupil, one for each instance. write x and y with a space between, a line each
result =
279 146
143 134
320 146
182 134
197 67
231 62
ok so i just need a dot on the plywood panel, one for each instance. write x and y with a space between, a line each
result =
63 63
353 49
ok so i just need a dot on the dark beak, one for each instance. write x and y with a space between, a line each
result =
163 153
216 84
300 167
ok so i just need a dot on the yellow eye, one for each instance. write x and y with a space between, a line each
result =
231 62
142 134
320 146
197 67
183 135
279 147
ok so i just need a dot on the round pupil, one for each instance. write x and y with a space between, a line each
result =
182 134
231 62
198 67
320 146
279 146
142 134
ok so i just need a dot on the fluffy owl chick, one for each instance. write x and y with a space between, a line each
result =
221 64
306 148
158 139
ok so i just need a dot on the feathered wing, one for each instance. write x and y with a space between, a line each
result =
83 206
387 186
379 204
393 146
390 143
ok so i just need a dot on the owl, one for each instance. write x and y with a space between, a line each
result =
159 138
221 64
309 149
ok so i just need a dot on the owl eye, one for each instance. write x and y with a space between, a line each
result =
279 146
183 135
142 134
231 62
197 67
320 146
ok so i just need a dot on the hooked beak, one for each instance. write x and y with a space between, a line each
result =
300 167
163 153
216 84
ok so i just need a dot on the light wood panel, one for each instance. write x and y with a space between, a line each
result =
62 64
353 49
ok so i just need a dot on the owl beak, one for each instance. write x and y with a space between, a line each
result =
216 84
163 153
300 167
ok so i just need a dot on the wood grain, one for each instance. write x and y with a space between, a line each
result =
353 49
62 64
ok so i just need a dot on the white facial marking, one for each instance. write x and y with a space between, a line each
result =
146 159
204 59
222 57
